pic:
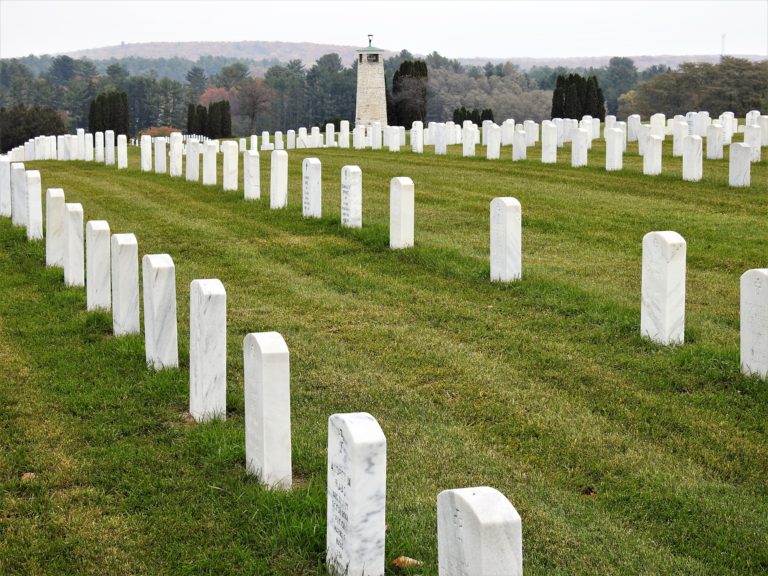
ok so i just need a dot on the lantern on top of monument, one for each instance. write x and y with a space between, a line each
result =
371 92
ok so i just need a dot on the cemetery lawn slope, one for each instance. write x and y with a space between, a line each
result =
621 456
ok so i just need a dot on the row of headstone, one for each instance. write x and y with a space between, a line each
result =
99 147
478 529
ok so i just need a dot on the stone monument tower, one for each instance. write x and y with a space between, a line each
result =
371 91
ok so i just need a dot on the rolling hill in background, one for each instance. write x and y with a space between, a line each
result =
308 53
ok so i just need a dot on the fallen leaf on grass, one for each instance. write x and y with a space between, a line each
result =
28 476
405 562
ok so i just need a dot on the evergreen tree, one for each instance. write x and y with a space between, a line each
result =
558 98
572 108
214 120
192 125
486 114
226 119
92 116
202 120
590 98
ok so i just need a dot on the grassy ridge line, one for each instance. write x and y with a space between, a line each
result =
445 343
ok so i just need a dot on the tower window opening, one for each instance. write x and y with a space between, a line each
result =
372 58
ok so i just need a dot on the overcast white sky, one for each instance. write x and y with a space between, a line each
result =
455 28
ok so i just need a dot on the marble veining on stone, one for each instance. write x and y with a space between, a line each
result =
357 475
231 155
18 194
251 175
74 255
5 186
207 350
278 180
34 205
125 284
160 328
267 409
98 284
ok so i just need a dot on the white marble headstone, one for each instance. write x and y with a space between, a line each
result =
311 188
18 194
267 409
146 153
753 139
5 186
401 213
548 143
99 147
74 250
652 156
479 533
161 155
739 170
54 227
192 161
160 331
207 350
351 197
506 240
714 142
357 476
278 179
493 142
662 310
34 208
692 162
231 155
754 322
175 153
579 144
210 151
251 175
109 147
98 285
122 152
124 262
88 148
519 147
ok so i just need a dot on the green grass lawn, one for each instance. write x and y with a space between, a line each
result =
621 456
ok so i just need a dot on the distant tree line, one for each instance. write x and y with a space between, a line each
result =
19 124
109 111
476 116
576 96
213 122
735 85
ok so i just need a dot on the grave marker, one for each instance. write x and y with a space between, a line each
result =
401 213
267 409
54 227
311 188
109 148
124 263
34 205
692 163
357 476
18 194
176 146
230 153
740 157
98 285
754 322
251 175
506 240
210 150
146 153
278 180
207 350
351 197
5 186
74 255
479 533
662 311
160 331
